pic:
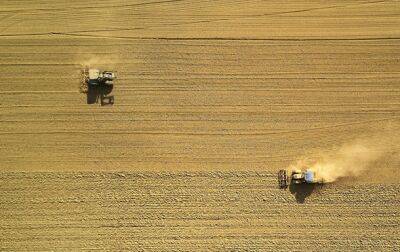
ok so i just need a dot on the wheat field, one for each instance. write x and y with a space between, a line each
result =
212 98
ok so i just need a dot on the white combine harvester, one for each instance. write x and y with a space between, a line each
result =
297 177
101 82
94 77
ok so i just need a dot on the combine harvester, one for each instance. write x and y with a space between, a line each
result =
99 81
298 177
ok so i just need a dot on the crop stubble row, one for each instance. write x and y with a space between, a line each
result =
191 210
202 85
257 104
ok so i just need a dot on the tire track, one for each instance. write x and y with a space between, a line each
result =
213 210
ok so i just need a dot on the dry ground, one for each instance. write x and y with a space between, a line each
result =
213 97
192 210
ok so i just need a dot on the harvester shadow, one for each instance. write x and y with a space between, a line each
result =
302 191
99 93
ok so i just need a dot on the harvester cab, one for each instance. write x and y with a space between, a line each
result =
108 75
297 177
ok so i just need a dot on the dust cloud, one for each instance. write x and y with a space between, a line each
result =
96 60
353 159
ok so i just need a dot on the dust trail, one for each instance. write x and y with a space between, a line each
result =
100 56
96 60
353 159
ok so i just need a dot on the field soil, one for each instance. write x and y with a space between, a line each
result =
212 99
192 211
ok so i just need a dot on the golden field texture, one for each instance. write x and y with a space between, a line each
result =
212 99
